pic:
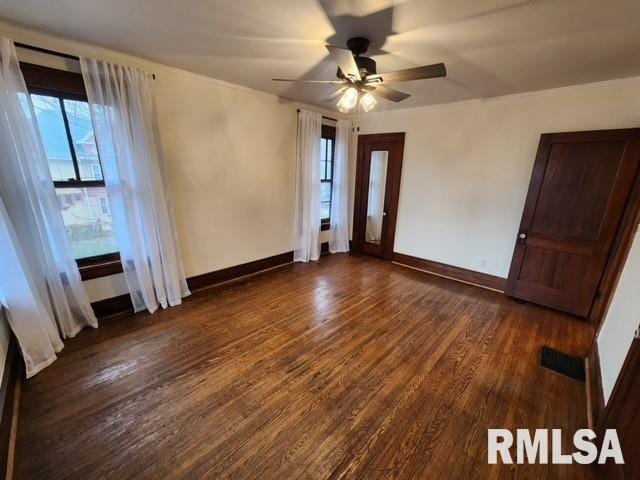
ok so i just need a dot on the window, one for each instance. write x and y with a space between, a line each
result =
67 134
63 118
327 150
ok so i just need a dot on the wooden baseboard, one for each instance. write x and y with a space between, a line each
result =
121 304
9 393
464 275
595 394
113 307
231 273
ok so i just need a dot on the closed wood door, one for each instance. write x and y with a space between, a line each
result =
377 191
623 414
579 190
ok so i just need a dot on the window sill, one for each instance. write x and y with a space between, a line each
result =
103 269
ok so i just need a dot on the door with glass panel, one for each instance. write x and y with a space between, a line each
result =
378 172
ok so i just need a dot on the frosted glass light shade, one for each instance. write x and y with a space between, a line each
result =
348 100
368 101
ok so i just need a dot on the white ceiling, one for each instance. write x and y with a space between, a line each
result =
490 47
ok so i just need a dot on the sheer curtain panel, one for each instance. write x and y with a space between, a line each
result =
123 111
27 313
307 200
39 280
339 232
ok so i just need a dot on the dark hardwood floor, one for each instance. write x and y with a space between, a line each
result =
348 368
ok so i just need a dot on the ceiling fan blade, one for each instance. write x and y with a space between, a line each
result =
419 73
391 93
335 95
346 62
326 82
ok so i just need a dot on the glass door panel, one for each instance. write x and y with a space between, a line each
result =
375 200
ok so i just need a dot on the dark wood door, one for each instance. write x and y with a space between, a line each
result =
623 414
378 171
579 190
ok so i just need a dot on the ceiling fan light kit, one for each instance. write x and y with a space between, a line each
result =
348 100
358 76
368 101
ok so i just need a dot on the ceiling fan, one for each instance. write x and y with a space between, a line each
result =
359 77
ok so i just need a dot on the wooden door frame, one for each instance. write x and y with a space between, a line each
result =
625 388
618 255
394 173
622 241
625 231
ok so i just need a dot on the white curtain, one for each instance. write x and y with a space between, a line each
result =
27 313
307 200
339 232
39 280
125 124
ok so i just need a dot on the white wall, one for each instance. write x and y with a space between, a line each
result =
467 165
230 156
231 165
621 321
465 176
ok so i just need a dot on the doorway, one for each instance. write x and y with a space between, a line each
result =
377 190
577 220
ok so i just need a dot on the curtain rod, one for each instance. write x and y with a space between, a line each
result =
53 52
326 118
45 50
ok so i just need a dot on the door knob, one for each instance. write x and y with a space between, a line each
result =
522 237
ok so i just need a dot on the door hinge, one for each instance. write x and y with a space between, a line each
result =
637 334
598 293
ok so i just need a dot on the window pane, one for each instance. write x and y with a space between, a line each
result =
326 160
325 208
54 136
325 192
87 220
84 144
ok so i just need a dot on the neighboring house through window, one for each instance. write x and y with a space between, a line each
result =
104 205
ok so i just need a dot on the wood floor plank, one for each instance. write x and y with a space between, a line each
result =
348 368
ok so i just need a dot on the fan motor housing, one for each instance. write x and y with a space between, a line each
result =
366 66
358 45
